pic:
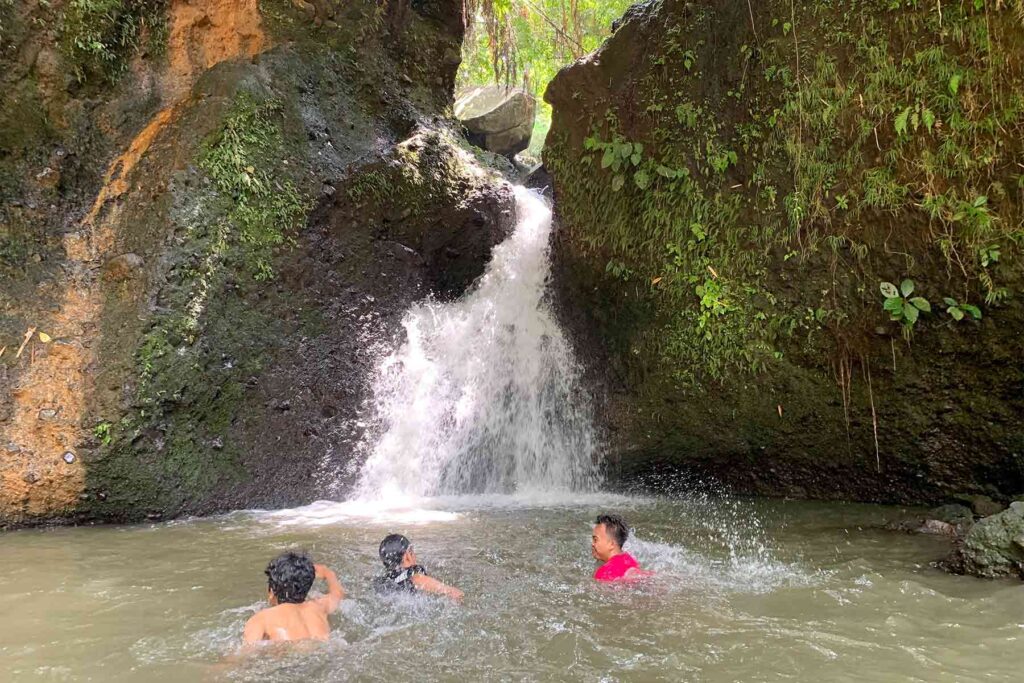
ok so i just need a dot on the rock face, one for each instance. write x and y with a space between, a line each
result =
497 118
994 547
730 208
212 220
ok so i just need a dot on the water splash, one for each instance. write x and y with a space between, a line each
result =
483 396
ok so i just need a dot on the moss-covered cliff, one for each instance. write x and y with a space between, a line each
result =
737 182
210 210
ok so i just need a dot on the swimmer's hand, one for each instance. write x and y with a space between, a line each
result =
335 591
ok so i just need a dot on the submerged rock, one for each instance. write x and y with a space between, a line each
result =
994 547
946 520
934 526
957 515
497 118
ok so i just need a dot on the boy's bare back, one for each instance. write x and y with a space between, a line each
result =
307 621
294 620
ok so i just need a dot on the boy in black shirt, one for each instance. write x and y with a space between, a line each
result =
402 573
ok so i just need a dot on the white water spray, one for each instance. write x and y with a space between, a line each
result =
483 397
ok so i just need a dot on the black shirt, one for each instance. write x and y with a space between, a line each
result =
398 579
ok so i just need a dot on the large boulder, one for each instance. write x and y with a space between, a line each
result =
782 253
994 546
497 118
205 244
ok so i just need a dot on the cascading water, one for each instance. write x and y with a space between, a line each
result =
483 396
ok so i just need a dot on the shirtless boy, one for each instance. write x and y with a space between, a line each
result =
290 616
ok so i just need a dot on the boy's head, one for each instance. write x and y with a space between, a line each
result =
393 549
610 534
289 577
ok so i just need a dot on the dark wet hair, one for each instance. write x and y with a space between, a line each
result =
614 526
290 576
393 549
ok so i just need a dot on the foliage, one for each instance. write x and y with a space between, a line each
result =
860 133
264 207
957 310
526 42
99 36
102 432
901 306
6 19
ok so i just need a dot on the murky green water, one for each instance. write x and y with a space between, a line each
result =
746 591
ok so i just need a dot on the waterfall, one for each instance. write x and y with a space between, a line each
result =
483 395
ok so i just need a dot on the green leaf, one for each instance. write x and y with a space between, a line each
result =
910 313
929 119
973 310
894 306
948 301
665 171
907 287
954 83
889 290
638 148
635 158
590 143
980 202
641 179
608 158
617 183
957 314
901 122
921 304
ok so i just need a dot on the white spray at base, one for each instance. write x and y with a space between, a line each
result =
482 397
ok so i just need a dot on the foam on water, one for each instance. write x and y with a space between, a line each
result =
423 510
753 572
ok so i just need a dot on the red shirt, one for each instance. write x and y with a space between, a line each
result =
616 568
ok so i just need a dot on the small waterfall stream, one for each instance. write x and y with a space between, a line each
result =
482 397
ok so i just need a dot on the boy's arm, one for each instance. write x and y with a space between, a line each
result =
254 630
335 591
432 585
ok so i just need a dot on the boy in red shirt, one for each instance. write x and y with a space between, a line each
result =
610 534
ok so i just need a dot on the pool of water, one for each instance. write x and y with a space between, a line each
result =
744 591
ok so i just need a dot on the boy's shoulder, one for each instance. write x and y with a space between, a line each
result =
276 611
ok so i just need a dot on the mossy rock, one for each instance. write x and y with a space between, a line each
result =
735 184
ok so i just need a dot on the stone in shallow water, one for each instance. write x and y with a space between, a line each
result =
953 514
994 546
